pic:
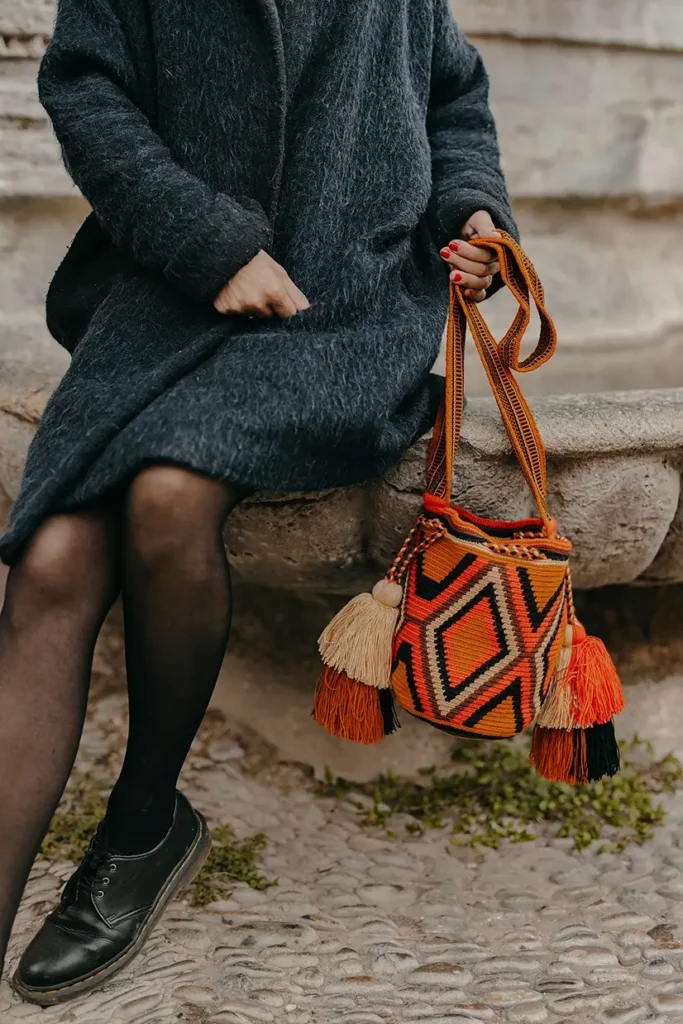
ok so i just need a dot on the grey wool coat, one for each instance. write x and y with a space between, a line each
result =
350 145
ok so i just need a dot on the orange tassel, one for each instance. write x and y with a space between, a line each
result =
576 756
348 709
559 755
573 739
592 679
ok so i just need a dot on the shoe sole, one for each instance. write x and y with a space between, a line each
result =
185 873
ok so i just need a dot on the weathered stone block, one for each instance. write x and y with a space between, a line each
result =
639 23
618 310
301 543
646 23
617 512
668 565
34 235
30 163
578 121
25 17
556 139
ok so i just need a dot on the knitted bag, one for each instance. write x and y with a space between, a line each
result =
473 628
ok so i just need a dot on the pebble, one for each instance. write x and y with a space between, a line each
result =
361 1017
133 1007
574 935
588 956
360 984
235 1013
658 969
506 965
465 952
195 995
528 1013
629 956
292 961
581 1003
221 754
604 977
440 973
668 1005
626 1015
672 891
393 960
626 920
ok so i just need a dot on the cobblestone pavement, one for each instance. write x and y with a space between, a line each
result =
365 930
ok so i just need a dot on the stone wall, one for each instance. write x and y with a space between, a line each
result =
589 98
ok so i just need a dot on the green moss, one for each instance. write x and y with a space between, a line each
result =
491 795
231 860
75 820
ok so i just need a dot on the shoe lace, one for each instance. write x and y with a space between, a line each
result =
97 860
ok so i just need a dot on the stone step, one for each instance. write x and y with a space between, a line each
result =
556 141
643 24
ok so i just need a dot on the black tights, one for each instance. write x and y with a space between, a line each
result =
162 546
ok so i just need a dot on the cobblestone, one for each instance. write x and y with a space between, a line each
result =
362 929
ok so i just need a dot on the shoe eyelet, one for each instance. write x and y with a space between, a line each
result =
99 894
112 867
106 881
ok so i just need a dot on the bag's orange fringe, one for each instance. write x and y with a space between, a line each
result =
560 755
597 694
348 709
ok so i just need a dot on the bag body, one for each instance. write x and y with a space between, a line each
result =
473 628
481 625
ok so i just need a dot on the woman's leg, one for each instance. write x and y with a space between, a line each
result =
58 594
176 604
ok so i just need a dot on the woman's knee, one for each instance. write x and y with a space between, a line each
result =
170 510
65 564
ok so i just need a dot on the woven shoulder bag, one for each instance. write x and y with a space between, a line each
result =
473 629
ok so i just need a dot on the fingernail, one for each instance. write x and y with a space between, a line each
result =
455 276
445 252
454 246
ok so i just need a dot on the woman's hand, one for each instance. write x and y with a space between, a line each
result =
261 288
474 268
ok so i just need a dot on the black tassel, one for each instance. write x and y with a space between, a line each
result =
391 722
602 752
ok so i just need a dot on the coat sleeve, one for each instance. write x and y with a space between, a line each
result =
153 209
466 171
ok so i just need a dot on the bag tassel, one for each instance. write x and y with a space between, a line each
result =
353 698
573 739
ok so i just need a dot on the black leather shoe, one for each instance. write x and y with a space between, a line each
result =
108 908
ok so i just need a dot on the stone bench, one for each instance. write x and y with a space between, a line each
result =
614 462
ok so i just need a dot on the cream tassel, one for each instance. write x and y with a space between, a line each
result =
359 639
557 711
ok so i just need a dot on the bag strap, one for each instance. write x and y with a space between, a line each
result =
501 360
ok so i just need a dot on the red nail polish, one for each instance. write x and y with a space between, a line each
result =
456 277
454 246
445 252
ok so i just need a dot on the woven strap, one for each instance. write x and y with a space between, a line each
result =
501 360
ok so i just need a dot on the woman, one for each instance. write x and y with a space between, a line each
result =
254 303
